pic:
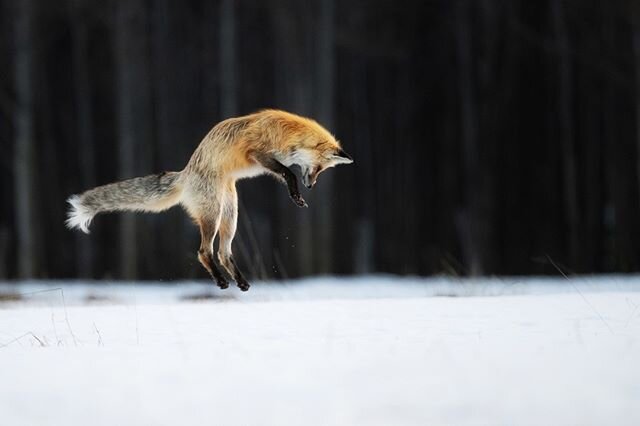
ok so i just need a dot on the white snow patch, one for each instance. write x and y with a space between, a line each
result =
369 351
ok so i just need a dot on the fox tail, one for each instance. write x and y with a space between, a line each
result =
153 193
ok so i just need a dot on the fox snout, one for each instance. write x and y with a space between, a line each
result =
309 181
310 174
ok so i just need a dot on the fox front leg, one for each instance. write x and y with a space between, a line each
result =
285 174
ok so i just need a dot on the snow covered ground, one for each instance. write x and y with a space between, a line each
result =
366 351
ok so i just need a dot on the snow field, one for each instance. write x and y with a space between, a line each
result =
324 352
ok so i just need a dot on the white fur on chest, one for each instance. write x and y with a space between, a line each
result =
248 172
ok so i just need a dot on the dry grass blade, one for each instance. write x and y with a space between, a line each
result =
580 293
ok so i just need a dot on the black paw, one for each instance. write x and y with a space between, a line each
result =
222 284
300 202
243 285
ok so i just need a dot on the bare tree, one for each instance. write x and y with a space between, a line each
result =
635 16
324 101
84 125
565 107
468 219
133 113
24 156
227 62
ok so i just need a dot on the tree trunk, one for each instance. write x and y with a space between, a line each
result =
84 129
623 189
227 62
636 50
133 104
4 252
365 235
468 220
565 100
324 101
172 231
24 160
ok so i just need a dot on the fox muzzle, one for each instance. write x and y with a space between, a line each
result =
309 180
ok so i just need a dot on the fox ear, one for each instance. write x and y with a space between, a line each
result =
341 157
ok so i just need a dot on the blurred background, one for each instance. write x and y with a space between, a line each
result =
488 136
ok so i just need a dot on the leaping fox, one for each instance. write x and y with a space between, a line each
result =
268 141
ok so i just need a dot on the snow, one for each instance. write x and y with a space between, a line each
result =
365 351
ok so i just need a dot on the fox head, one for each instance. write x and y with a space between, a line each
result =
315 156
307 144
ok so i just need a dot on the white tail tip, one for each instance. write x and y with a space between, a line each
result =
79 216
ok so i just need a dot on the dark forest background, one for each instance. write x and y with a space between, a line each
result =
487 135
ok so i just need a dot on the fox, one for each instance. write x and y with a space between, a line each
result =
269 141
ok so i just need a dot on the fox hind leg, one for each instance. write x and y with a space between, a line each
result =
228 226
208 229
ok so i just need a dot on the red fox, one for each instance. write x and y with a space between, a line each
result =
268 141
